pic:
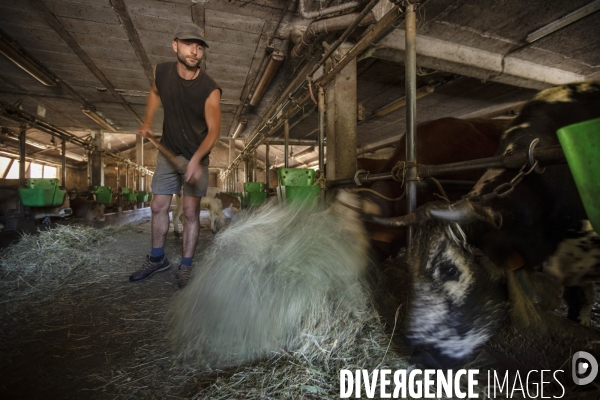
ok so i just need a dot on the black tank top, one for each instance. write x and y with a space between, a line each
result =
184 126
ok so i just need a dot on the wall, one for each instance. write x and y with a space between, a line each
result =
77 178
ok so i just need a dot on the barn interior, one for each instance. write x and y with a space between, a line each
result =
74 79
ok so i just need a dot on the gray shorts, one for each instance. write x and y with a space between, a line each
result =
168 180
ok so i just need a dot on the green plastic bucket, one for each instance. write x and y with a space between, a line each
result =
302 194
256 199
296 176
581 144
128 194
142 196
103 194
41 192
254 187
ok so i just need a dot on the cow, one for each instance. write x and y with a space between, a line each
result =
470 260
229 201
90 210
212 204
441 141
62 211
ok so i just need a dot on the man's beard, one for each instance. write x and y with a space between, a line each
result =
187 63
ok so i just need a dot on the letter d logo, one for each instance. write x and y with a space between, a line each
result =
581 368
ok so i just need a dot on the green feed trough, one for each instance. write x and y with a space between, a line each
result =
581 144
103 194
41 192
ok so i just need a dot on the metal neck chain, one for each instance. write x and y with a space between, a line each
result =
506 188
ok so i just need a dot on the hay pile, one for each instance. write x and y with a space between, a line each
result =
42 262
280 277
311 372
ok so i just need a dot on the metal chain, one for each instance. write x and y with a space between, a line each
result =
506 188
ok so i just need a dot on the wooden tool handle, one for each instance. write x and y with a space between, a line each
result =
168 153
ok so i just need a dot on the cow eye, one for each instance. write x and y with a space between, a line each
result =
448 271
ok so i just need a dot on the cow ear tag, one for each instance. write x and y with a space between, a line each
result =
514 261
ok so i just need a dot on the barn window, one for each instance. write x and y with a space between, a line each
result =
13 172
36 170
4 163
49 172
42 171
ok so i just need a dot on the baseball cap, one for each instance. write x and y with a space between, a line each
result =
190 31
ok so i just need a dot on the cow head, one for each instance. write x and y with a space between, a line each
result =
95 212
459 299
459 293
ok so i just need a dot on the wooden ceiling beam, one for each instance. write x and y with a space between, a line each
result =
134 38
53 21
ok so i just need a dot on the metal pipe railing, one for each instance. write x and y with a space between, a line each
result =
410 74
23 117
63 159
551 155
321 129
277 114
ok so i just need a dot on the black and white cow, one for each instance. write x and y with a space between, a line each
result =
469 260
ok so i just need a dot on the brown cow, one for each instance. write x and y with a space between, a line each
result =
90 210
229 201
441 141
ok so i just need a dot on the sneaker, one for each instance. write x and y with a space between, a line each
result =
183 275
149 268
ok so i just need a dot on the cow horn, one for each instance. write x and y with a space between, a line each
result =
462 211
396 222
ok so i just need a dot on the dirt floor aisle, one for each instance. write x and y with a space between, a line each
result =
96 335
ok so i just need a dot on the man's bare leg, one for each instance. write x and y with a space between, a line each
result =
191 227
160 226
160 218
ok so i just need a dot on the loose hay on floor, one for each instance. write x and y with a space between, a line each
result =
41 262
91 333
278 277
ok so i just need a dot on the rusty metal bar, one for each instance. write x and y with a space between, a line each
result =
286 144
321 129
254 172
410 73
118 176
267 167
22 155
63 156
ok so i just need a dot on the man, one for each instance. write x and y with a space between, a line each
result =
191 127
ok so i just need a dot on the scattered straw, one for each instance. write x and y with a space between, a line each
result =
43 261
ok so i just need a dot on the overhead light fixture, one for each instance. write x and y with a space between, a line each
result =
401 102
24 62
275 61
241 125
97 118
44 146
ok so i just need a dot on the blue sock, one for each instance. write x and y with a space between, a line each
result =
157 253
186 261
